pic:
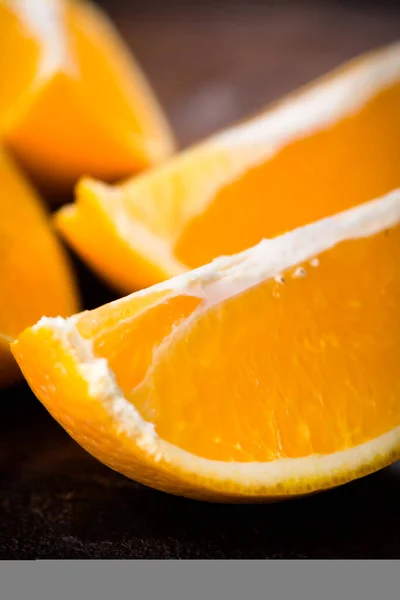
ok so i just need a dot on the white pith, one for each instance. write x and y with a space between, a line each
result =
201 171
322 103
45 21
223 278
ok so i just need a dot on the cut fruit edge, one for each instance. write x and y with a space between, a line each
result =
58 61
203 169
37 274
139 452
43 21
154 146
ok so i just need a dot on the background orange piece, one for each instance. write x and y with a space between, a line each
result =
325 148
73 100
35 277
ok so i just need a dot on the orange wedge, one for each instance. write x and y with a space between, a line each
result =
267 374
35 278
324 149
73 101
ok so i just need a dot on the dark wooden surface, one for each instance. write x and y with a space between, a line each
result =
213 66
210 66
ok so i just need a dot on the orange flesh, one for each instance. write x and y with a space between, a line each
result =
281 370
355 160
35 276
25 55
89 136
105 70
110 124
35 279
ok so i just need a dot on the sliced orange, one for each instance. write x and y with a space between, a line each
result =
35 278
73 101
270 373
324 149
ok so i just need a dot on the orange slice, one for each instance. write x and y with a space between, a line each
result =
324 149
35 278
267 374
73 101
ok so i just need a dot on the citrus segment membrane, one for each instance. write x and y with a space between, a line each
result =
328 147
327 171
264 344
251 366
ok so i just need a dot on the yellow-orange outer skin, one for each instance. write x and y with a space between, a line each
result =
91 381
49 364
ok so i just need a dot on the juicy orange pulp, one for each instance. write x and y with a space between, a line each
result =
75 102
25 53
328 171
286 369
328 147
266 374
35 277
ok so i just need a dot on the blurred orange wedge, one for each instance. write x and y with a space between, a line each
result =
73 101
35 278
324 149
267 374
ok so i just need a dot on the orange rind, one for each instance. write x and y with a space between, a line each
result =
264 375
328 147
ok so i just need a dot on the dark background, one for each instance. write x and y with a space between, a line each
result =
210 63
215 61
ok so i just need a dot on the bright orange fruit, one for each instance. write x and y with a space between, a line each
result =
270 373
35 277
324 149
73 100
